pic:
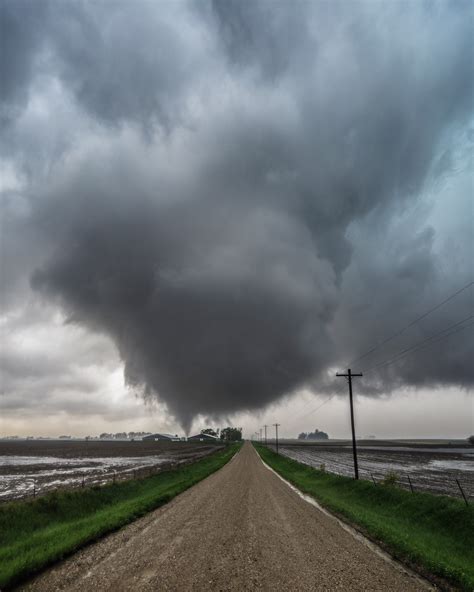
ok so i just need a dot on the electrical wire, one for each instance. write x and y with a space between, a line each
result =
417 320
417 346
306 413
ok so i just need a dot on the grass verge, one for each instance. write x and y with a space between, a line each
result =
36 533
435 534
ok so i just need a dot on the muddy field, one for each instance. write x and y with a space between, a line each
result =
33 467
429 467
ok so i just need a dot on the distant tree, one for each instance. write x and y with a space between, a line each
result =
471 440
209 431
302 436
231 434
317 435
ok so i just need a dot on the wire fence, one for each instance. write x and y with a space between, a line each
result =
412 477
22 486
27 487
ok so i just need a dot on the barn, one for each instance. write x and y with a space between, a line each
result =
161 437
203 438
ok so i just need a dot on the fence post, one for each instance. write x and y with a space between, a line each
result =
83 481
34 488
462 492
411 485
375 482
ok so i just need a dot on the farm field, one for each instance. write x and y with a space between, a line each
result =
431 467
34 467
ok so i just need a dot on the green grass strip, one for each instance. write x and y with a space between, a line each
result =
36 533
434 533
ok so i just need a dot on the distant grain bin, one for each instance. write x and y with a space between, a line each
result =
161 437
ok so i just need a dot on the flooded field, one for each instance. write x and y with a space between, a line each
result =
32 467
429 468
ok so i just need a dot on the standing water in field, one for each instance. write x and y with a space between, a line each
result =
77 464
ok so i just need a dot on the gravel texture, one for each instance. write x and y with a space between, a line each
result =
240 529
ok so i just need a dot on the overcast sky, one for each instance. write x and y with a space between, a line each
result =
209 208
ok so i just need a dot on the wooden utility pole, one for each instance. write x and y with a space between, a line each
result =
265 426
276 432
349 377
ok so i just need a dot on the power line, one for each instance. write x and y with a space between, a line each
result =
324 403
418 319
454 328
339 391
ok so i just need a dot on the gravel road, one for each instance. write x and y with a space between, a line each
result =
240 529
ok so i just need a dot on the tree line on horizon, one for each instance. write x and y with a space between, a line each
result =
316 435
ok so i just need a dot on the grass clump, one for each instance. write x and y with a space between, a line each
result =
36 533
390 478
433 533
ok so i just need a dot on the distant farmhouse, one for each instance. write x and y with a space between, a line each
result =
161 437
204 438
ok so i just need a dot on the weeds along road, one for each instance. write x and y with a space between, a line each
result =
240 529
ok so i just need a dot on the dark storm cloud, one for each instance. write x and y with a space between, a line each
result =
131 62
22 25
253 246
257 34
411 278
